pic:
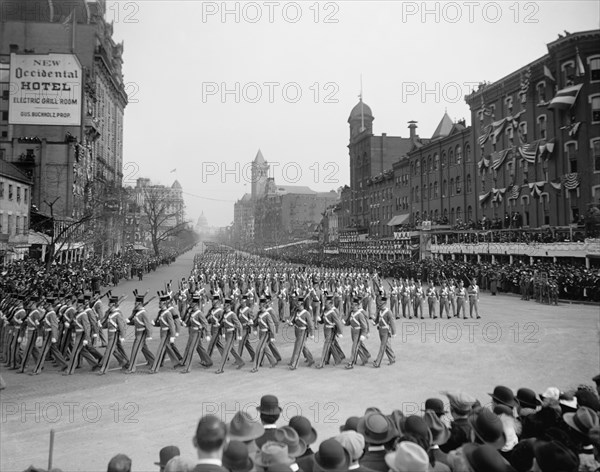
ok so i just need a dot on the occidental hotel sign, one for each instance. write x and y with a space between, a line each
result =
45 89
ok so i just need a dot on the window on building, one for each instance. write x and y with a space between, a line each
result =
571 154
436 161
9 225
542 126
18 225
417 195
429 164
508 101
595 101
509 134
458 154
424 165
458 185
430 192
451 186
24 195
443 160
469 213
451 160
469 184
541 92
596 154
4 116
594 63
435 189
18 194
451 215
444 188
1 223
458 214
467 153
1 189
523 131
418 166
10 192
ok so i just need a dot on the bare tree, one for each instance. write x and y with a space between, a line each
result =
164 216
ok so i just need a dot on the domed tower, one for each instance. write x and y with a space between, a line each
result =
260 175
360 120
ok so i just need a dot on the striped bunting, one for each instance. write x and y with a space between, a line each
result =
565 98
529 152
571 181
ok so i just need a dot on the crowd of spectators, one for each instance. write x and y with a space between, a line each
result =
575 282
32 276
556 431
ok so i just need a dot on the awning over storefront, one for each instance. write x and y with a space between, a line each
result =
38 238
398 219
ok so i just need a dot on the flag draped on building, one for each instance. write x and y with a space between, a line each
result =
484 197
529 152
483 164
525 78
515 190
536 188
547 149
556 185
565 98
571 181
573 128
498 194
487 131
499 158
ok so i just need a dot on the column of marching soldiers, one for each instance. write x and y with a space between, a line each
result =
227 298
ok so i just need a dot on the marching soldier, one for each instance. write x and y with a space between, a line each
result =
359 330
418 298
100 317
474 298
167 334
452 297
214 320
387 329
266 333
82 337
66 315
171 305
143 333
15 327
395 300
117 330
230 329
271 345
197 327
406 297
302 322
432 298
461 296
247 322
444 300
50 339
332 328
32 328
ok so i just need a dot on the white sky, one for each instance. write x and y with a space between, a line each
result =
181 55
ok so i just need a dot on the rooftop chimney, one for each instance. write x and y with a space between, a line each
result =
412 126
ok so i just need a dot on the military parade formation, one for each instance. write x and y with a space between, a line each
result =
236 303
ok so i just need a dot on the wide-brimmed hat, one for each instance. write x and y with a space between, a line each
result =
554 456
504 396
166 454
527 398
440 434
488 427
416 426
272 453
408 457
485 458
269 405
244 428
568 400
436 405
351 424
552 393
235 457
376 428
460 402
331 456
353 442
304 429
289 436
583 420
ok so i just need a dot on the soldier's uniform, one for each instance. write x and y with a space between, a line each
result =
461 298
81 339
473 299
230 329
266 333
387 329
214 320
418 298
302 322
359 330
117 329
332 328
271 346
247 322
32 331
143 333
49 326
197 328
100 318
15 321
167 335
444 295
432 297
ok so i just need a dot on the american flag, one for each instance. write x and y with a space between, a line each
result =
529 152
485 136
514 192
571 181
565 98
